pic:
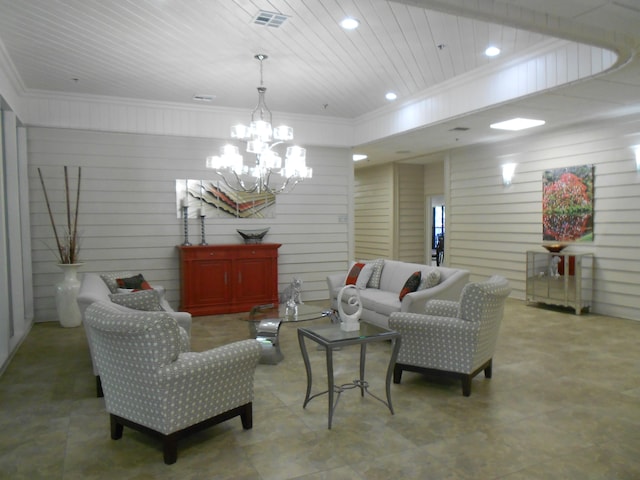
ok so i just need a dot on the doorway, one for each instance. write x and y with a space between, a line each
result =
436 221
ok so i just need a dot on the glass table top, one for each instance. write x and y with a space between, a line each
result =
300 313
332 333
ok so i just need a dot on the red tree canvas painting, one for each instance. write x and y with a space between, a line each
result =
567 204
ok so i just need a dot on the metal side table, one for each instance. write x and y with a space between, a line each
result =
332 337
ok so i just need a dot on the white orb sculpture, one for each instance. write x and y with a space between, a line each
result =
350 322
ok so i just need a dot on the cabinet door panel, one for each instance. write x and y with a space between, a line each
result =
210 282
254 281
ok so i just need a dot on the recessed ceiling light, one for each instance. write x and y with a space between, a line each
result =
359 156
517 124
349 23
391 96
492 51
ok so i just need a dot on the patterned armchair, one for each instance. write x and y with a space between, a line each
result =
453 338
153 384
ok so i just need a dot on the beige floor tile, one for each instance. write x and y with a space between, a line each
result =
563 403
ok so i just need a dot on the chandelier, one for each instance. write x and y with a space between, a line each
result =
265 174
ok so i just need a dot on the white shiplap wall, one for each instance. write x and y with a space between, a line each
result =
128 212
410 244
490 226
374 212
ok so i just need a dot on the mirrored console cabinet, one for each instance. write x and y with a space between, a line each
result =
564 278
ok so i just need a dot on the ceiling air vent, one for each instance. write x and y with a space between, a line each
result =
269 19
203 98
459 129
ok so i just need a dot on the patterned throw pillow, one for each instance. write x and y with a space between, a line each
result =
430 279
365 275
110 279
411 285
136 282
147 300
374 281
353 274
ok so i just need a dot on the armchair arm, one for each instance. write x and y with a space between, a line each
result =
428 341
449 289
185 341
442 308
335 281
199 385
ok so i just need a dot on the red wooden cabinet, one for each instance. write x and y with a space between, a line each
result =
218 279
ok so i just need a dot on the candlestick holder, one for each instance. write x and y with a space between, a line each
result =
202 240
185 218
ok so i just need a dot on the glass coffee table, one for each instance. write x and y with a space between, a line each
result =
265 322
332 337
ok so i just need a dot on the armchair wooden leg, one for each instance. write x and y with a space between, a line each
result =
170 449
116 428
466 385
246 416
397 373
488 371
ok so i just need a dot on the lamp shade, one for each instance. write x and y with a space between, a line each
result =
283 133
261 130
241 132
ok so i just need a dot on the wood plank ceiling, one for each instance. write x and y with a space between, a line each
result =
171 50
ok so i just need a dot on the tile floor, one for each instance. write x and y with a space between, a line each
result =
564 402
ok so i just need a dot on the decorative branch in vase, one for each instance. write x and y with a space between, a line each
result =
68 249
67 243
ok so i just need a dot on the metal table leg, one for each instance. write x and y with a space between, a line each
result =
392 361
307 367
330 384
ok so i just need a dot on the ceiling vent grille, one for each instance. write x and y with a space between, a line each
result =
269 19
459 129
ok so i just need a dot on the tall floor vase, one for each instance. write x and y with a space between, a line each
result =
66 295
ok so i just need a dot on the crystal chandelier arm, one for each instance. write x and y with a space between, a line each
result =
242 188
286 187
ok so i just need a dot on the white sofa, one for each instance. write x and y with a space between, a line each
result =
379 303
94 289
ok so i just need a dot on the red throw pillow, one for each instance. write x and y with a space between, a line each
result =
352 276
411 285
137 282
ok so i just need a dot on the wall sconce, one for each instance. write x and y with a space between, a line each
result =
637 152
508 170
